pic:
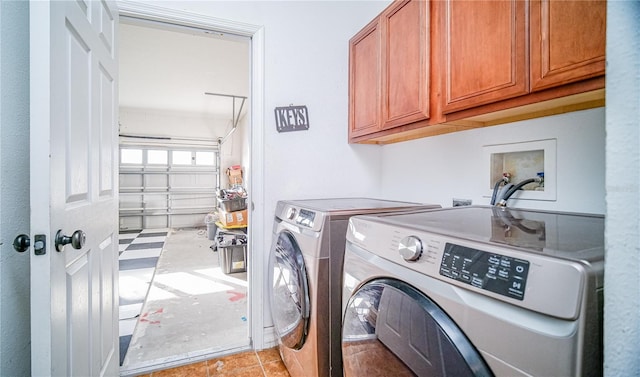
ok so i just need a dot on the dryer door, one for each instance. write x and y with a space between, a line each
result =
392 329
289 291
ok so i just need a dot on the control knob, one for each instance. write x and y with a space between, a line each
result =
291 213
410 248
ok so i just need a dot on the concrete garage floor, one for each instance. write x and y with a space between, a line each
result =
192 309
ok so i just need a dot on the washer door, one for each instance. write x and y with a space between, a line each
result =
289 291
392 329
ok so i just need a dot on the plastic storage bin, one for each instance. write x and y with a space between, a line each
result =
232 205
232 258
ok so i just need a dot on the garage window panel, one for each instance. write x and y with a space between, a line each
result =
167 185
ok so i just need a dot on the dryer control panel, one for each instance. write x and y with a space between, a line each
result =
300 217
497 273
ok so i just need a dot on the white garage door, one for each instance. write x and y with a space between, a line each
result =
167 186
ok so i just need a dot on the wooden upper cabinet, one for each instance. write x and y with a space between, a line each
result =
567 41
405 66
423 68
389 70
364 81
484 52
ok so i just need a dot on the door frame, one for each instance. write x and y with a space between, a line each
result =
259 336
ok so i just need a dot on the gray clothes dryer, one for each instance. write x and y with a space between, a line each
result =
306 274
473 291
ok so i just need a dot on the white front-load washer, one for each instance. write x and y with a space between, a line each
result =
473 291
306 273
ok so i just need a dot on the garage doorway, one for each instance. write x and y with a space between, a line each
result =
176 143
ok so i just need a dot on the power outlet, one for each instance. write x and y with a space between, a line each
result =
461 202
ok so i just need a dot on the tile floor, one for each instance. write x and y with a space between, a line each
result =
139 254
266 363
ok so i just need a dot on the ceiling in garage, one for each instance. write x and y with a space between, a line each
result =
171 69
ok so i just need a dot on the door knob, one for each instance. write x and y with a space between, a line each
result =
21 243
77 240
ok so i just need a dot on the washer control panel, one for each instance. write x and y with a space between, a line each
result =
526 279
497 273
410 248
305 218
291 213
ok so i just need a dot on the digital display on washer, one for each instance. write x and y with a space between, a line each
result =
306 218
494 272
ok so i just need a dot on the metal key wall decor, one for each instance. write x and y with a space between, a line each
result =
292 118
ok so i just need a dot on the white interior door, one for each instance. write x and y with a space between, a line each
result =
74 292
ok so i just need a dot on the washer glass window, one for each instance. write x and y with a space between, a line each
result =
290 291
390 328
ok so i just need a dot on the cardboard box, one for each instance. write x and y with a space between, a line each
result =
234 173
233 219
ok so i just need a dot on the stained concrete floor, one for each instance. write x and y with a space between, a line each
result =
192 308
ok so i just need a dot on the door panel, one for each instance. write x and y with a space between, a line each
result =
567 41
104 307
391 328
107 120
406 47
290 304
106 27
364 85
77 158
78 275
485 52
73 180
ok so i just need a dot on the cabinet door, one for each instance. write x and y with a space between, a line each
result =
567 41
484 52
405 65
364 81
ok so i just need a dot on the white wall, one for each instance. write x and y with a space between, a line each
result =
235 150
306 56
622 228
15 352
437 169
